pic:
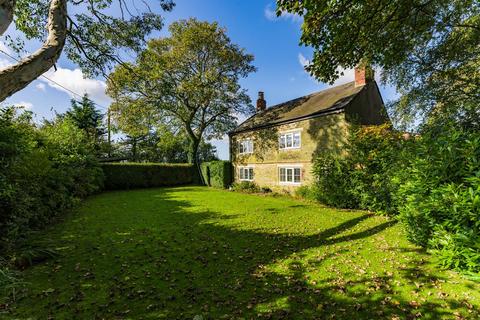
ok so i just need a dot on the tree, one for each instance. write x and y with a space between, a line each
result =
88 118
135 119
427 48
191 79
88 35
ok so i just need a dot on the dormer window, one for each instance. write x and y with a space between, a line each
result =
290 140
245 146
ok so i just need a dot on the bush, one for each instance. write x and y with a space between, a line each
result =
432 182
217 174
246 186
440 192
307 193
43 172
119 176
362 176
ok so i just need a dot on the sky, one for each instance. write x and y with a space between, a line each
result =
252 24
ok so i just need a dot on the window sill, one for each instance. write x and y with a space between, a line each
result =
291 148
290 183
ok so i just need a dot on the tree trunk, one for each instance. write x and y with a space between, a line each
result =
18 76
193 150
6 14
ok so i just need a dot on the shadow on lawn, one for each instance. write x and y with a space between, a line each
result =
197 267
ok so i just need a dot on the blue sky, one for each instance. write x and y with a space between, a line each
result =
252 24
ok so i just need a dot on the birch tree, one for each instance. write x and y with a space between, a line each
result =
82 29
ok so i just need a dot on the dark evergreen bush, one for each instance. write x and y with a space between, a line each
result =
217 174
120 176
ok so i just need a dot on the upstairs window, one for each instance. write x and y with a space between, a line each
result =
246 174
291 140
245 146
290 175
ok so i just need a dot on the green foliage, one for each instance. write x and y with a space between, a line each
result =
361 178
85 116
217 174
93 38
246 186
307 192
147 175
43 173
427 49
432 181
190 78
440 193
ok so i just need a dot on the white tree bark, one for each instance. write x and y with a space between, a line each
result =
6 14
18 76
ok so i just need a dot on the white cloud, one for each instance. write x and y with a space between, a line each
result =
41 87
271 15
4 62
302 60
67 79
24 104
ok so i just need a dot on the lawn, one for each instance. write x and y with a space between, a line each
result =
194 252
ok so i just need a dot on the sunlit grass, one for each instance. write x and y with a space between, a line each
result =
192 251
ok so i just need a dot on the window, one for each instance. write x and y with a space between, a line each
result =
290 175
245 146
291 140
246 174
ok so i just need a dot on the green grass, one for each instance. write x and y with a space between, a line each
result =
181 252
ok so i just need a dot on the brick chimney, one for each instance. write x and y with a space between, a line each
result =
363 75
261 103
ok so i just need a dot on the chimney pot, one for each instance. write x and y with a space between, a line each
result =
363 75
261 103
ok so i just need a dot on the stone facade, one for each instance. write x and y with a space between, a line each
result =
317 135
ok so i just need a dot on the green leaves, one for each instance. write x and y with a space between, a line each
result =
190 79
427 49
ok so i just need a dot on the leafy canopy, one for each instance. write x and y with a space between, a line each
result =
98 31
428 49
191 79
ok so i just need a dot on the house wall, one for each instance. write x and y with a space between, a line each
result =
318 135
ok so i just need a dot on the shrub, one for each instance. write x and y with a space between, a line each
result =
217 174
43 172
440 192
307 193
362 176
146 175
246 186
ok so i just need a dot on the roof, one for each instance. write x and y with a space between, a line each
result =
315 104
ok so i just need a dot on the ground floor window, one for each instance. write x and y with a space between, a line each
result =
290 175
246 173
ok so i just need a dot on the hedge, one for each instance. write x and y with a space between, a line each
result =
146 175
217 174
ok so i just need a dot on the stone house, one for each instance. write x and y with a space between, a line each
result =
276 146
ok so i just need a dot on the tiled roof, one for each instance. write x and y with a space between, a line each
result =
331 99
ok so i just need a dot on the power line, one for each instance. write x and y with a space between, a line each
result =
56 83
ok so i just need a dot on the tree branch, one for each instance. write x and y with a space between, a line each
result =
18 76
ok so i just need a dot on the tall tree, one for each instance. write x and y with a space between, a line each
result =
82 28
429 49
191 78
135 119
88 118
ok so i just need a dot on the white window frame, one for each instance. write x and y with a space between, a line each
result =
245 146
289 171
286 137
250 173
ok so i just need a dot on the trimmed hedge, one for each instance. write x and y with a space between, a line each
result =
217 174
120 176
